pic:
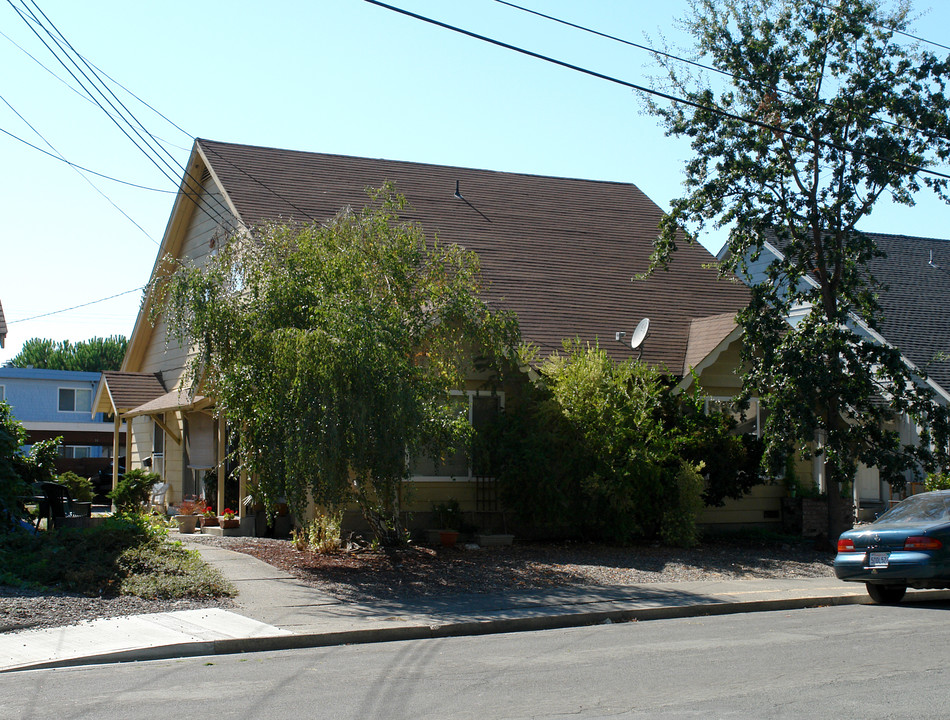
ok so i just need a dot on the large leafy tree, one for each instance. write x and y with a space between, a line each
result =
334 348
817 111
94 355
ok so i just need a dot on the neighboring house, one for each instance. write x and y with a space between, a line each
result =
561 253
915 294
51 403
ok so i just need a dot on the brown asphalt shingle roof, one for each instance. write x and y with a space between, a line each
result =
131 389
913 296
561 253
705 334
914 300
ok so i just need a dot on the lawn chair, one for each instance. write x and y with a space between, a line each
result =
60 505
157 497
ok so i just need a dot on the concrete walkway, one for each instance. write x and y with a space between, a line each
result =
275 611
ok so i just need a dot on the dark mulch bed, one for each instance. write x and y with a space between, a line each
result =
423 571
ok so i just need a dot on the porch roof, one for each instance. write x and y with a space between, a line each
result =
171 401
119 392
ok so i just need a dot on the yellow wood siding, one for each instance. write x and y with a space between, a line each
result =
164 354
763 504
721 378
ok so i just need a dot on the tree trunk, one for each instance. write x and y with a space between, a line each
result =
836 506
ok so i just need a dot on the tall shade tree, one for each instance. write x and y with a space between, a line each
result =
819 110
94 355
334 349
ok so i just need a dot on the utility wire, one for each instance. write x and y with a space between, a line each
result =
76 307
703 66
63 63
38 62
154 110
893 30
212 151
223 217
78 172
80 167
87 99
153 155
656 93
175 167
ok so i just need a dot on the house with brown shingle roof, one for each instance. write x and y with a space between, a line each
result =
561 253
913 292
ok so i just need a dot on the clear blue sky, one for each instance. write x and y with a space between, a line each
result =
337 76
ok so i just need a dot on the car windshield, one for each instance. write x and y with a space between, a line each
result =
927 507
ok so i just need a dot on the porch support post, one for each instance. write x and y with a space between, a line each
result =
116 426
222 466
128 447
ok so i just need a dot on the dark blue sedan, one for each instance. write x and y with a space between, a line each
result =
908 546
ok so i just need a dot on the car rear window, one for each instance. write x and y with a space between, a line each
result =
927 507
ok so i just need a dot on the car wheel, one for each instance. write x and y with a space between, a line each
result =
886 594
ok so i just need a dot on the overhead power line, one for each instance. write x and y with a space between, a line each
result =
655 93
75 307
81 167
154 154
78 171
894 30
703 66
88 100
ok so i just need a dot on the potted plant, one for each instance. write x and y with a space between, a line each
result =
187 517
448 514
209 517
229 519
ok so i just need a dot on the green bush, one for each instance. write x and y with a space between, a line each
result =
127 555
80 488
679 520
133 489
12 484
604 451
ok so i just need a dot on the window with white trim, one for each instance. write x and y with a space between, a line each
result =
3 393
74 452
749 420
75 400
482 408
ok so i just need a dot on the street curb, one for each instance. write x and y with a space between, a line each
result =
232 646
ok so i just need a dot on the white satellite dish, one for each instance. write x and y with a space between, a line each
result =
640 333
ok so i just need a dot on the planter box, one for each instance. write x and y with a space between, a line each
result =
494 540
441 537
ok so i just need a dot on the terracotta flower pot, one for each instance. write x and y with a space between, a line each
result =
186 523
209 522
228 524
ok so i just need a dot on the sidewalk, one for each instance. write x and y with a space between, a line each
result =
275 611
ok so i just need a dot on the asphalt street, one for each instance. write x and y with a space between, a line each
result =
848 661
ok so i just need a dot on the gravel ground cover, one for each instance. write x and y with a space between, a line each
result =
32 610
367 574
